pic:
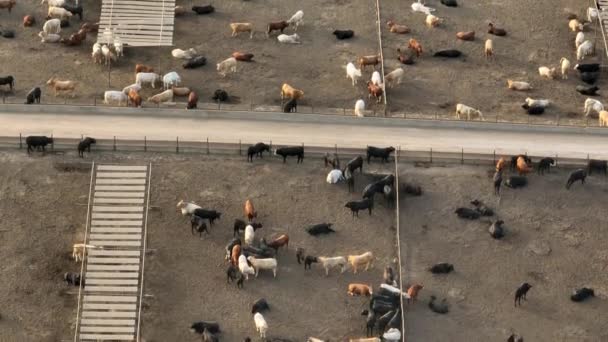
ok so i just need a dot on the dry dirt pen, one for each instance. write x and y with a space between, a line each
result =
554 240
312 66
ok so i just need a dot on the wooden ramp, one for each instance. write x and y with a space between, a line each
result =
109 305
137 22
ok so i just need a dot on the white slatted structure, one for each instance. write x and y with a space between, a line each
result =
603 19
109 304
138 22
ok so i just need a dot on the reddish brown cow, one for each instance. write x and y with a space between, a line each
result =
282 240
134 98
368 60
250 210
413 44
235 254
192 100
375 91
277 26
359 290
412 292
242 56
8 4
90 27
75 39
143 68
28 20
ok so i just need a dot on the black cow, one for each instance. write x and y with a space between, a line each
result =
355 163
8 33
199 225
220 95
350 179
72 278
291 151
321 228
241 225
333 160
200 327
355 206
343 34
64 23
195 62
589 77
590 67
231 273
533 110
377 152
440 308
371 189
257 150
33 96
85 144
411 189
8 80
37 142
496 230
441 268
521 292
309 260
395 321
597 165
515 182
209 336
481 208
370 322
203 9
300 254
515 338
210 215
545 165
497 180
74 10
467 213
291 106
589 91
260 305
448 53
450 3
576 175
580 295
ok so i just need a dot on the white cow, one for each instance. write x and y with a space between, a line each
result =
114 96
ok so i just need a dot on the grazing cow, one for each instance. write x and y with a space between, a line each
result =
522 166
515 182
257 150
514 159
290 106
192 100
220 95
521 292
242 56
343 34
235 253
241 27
74 10
497 180
200 327
72 278
359 290
576 175
58 85
250 212
321 228
37 142
467 213
198 224
441 268
210 215
291 151
376 152
441 308
350 180
260 305
405 57
450 53
240 225
355 206
203 9
290 92
354 164
364 61
276 26
300 254
85 144
33 96
496 230
332 262
412 292
597 165
545 165
134 98
280 241
195 62
580 295
357 261
414 45
8 80
309 260
496 31
375 91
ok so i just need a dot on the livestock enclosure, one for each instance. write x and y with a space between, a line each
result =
538 35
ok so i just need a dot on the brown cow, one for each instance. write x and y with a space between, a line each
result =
235 254
28 20
143 68
359 290
413 44
368 60
468 35
242 56
282 240
396 28
500 164
75 39
90 27
250 212
412 292
522 166
192 100
134 98
375 91
276 26
8 4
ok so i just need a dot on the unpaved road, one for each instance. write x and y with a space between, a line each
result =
311 134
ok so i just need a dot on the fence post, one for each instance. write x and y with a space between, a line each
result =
95 101
494 157
114 146
145 144
53 144
240 151
177 145
461 156
20 142
207 145
556 159
270 146
336 148
431 155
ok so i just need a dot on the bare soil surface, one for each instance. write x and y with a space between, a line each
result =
555 240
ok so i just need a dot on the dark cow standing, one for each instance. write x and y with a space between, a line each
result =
240 225
376 152
354 164
220 95
200 327
74 10
72 279
37 142
521 292
355 206
497 180
33 96
291 151
545 165
199 225
576 175
8 80
210 215
85 144
290 106
257 150
597 165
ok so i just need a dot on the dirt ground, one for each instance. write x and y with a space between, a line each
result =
431 87
555 240
537 35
